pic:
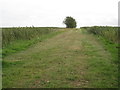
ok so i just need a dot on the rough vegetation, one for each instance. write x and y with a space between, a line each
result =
74 58
109 33
17 39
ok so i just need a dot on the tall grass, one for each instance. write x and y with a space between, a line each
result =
110 38
109 33
24 33
17 39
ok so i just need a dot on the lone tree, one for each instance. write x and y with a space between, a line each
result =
70 22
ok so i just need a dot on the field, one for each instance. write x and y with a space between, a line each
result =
109 33
60 58
16 39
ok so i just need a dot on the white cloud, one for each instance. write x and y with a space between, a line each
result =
53 12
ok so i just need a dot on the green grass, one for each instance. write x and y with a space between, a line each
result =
72 59
100 71
10 35
108 36
109 33
111 47
23 43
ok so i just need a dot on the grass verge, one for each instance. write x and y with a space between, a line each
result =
20 45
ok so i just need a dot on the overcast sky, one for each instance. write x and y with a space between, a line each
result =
50 13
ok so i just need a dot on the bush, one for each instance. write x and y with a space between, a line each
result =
70 22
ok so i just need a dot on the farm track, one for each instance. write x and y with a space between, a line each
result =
70 59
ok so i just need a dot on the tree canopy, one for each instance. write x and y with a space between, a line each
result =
70 22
